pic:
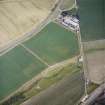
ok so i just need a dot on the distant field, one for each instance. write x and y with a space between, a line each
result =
17 67
92 19
54 44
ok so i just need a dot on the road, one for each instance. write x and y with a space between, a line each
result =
34 32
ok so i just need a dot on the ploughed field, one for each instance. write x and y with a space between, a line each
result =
50 46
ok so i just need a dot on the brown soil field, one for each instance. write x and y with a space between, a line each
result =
18 17
95 70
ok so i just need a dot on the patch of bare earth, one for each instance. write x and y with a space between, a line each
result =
95 61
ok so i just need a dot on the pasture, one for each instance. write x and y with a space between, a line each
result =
54 44
67 91
91 13
50 46
17 67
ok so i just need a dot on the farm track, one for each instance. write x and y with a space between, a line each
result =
34 54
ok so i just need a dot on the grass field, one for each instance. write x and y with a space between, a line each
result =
66 92
53 77
54 44
91 87
92 19
16 67
50 81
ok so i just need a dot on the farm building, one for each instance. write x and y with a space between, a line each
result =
69 21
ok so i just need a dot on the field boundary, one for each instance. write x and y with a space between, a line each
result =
97 44
34 54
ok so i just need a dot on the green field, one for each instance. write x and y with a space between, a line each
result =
67 91
92 17
53 77
54 44
16 67
61 78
